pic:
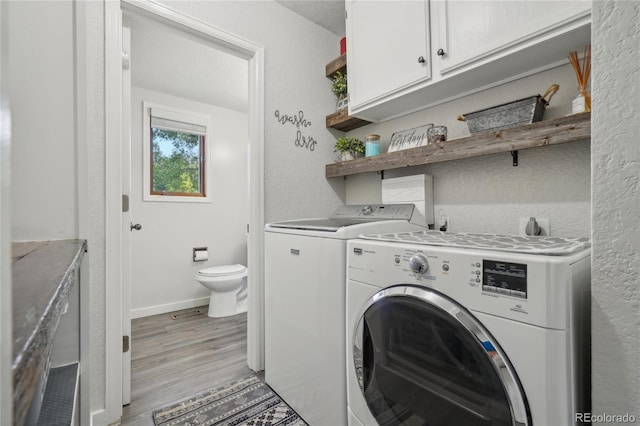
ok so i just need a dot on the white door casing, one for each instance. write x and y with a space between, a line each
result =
6 346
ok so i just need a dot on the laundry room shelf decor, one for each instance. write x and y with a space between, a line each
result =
572 128
341 120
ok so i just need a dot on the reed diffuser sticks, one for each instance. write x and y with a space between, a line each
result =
582 74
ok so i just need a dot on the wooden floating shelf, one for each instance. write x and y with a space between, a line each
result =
573 128
338 64
341 120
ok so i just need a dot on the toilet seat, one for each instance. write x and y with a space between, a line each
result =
223 271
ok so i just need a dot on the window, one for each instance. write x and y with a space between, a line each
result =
175 155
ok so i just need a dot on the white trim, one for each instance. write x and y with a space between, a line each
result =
166 111
113 212
169 307
255 255
254 53
82 165
6 340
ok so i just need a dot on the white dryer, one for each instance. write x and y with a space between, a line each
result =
305 279
467 329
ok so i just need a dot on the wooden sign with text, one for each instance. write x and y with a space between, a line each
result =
411 138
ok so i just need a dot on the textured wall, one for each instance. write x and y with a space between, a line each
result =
488 194
616 208
42 90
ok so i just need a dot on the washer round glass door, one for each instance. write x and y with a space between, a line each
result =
423 359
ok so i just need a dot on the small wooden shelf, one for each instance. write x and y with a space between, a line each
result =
338 64
341 120
573 128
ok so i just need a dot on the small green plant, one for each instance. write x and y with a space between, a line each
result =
353 145
339 84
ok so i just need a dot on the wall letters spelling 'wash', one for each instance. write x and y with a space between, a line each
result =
301 123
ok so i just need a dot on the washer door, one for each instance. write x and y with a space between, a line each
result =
423 359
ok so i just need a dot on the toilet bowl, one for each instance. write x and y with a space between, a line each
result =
228 287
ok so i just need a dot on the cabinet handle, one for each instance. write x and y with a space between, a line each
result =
421 60
440 52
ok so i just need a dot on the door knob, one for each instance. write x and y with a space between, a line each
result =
137 227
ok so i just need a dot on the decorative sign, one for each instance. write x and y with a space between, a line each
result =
411 138
301 141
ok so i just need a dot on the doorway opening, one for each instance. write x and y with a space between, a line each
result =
251 56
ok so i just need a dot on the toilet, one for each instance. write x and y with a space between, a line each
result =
228 287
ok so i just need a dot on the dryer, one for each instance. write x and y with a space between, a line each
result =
467 329
305 278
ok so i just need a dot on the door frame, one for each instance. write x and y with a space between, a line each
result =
254 54
6 340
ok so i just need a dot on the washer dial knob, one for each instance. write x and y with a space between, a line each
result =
418 263
367 210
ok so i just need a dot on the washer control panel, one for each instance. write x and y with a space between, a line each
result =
507 278
493 277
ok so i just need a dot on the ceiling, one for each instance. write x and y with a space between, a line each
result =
167 60
328 14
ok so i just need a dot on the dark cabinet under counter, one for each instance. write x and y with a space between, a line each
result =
46 330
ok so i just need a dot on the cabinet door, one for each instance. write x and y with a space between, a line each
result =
387 48
475 32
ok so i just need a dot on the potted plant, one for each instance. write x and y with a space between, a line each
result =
349 148
339 88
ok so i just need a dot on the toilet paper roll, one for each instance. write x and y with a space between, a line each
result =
200 255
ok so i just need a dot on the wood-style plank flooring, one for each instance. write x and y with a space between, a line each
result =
174 359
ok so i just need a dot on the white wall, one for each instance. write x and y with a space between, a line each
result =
163 272
488 194
616 208
42 89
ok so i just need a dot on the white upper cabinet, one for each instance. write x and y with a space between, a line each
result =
387 48
478 31
470 46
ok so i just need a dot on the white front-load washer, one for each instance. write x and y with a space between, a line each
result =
467 329
305 263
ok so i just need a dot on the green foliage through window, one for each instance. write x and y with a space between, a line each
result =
177 163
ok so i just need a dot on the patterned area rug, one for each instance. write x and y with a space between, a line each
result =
247 401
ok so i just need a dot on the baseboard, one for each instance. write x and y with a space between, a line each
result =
169 307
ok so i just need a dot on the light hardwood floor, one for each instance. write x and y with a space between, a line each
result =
174 359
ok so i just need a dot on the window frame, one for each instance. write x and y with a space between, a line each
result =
186 116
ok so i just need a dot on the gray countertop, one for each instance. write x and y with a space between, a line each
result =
42 275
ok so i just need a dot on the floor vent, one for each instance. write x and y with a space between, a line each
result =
187 313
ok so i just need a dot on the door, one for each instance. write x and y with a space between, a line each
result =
421 358
161 231
473 33
388 48
126 215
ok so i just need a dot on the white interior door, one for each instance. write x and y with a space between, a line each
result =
126 215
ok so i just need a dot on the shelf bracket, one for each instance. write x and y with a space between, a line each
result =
514 155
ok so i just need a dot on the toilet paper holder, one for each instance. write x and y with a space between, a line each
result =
200 254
